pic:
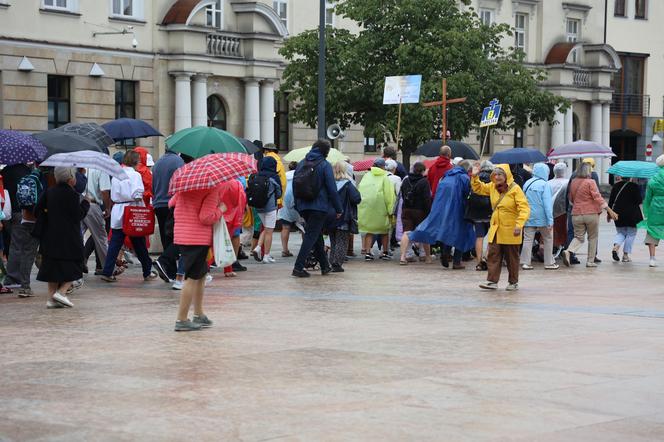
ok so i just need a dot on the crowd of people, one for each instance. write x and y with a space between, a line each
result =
56 218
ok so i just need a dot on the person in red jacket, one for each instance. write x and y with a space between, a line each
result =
438 170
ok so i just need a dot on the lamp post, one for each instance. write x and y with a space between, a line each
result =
321 71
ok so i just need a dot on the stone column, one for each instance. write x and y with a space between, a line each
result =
199 100
606 139
596 132
558 130
569 126
182 100
267 111
252 127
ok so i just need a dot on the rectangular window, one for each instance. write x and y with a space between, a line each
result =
127 8
213 15
55 4
281 124
640 8
281 8
619 8
125 99
486 16
58 101
329 13
572 30
520 21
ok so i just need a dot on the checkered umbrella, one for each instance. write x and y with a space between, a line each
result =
362 165
211 170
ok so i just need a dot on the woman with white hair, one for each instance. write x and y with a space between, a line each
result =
60 211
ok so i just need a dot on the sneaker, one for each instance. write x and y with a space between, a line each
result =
386 257
526 267
108 278
653 262
25 292
257 254
161 272
337 269
591 265
489 285
325 270
626 258
62 299
512 287
566 258
614 255
77 284
187 326
208 279
237 267
241 255
202 320
552 267
177 284
151 277
267 259
52 304
597 260
369 257
300 273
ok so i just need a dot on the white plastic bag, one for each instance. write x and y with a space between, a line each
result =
224 255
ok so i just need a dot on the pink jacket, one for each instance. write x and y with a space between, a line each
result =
233 196
585 196
195 214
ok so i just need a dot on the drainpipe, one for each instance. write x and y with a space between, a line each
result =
606 16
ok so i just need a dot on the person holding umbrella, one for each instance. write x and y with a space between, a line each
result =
626 201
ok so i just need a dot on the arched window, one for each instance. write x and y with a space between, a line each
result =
216 112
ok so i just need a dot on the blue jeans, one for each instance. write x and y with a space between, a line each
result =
116 243
625 235
312 239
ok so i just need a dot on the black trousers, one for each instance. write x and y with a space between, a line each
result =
312 239
171 254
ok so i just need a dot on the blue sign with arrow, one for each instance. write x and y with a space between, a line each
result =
491 114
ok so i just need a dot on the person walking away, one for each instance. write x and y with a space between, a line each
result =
5 217
234 200
446 224
510 212
23 248
272 151
98 194
570 225
558 186
587 204
540 200
478 210
390 153
391 167
146 174
625 200
195 214
316 196
375 210
416 196
653 211
263 191
287 213
439 168
60 211
11 175
126 193
346 225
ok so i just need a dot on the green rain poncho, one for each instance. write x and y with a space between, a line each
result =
378 199
653 207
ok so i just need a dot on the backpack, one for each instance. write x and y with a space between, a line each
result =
306 184
27 191
258 191
409 196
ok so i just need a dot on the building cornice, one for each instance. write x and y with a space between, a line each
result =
24 42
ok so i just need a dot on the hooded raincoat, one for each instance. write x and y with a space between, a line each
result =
437 171
446 223
653 207
280 171
511 212
539 197
377 202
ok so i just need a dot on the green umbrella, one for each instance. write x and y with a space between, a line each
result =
298 155
200 140
634 169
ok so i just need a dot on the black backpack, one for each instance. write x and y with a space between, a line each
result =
306 183
258 191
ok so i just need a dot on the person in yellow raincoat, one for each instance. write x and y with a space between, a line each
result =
510 213
375 210
271 150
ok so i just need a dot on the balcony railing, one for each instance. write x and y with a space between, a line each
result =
630 104
582 78
221 45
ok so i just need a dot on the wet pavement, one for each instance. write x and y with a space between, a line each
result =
381 352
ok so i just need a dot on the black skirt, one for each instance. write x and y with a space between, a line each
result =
58 270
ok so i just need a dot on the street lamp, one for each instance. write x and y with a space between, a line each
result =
321 71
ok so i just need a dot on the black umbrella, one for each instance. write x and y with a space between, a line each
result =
63 142
249 146
91 131
432 149
129 128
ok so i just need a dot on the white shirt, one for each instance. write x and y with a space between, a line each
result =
125 193
98 182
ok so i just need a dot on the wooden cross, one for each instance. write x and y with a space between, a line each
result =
444 102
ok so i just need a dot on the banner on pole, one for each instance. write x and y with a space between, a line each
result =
491 114
403 89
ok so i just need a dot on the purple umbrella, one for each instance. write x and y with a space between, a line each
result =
19 148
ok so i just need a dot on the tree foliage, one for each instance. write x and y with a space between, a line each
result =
435 38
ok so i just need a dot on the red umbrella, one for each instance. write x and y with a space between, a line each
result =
361 165
211 170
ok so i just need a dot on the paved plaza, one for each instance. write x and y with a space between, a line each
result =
381 352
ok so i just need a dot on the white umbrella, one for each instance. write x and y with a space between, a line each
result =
87 159
581 149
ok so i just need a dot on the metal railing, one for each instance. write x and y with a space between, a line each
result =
582 78
630 104
221 45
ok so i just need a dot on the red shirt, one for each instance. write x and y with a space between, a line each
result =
437 171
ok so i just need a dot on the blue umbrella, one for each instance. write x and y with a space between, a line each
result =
518 155
19 148
634 169
128 128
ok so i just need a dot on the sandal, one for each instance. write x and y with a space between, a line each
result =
403 262
230 275
108 278
286 254
5 290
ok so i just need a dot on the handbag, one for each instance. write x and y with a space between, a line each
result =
224 254
138 221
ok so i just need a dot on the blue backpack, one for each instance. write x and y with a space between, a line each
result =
28 190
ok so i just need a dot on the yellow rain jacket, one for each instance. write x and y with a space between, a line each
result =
281 172
513 210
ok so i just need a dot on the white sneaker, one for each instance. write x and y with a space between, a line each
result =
52 304
653 263
177 285
62 299
512 287
208 279
267 259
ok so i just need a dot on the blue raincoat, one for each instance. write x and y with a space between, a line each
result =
445 222
539 197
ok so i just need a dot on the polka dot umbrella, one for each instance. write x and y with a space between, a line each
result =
19 148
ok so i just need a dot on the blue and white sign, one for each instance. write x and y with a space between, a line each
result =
404 89
491 114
